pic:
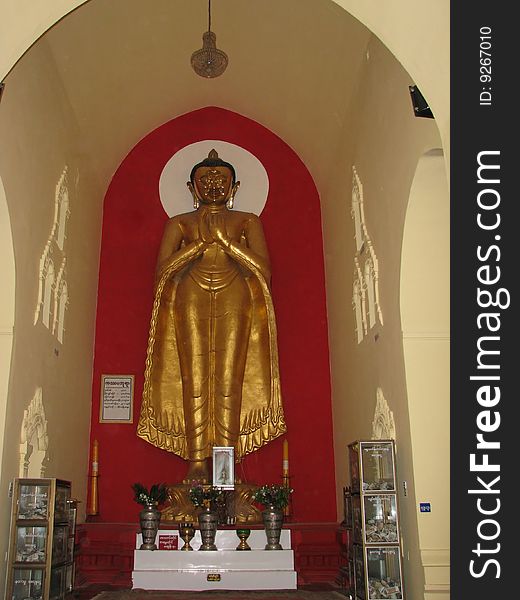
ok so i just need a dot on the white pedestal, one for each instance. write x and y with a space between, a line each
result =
225 568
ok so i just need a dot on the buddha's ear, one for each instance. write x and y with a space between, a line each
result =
234 190
196 201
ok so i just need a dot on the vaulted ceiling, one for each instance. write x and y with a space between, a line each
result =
125 68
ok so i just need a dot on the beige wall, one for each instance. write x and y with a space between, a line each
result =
38 134
425 314
384 140
22 22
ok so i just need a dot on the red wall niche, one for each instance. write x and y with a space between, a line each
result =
133 221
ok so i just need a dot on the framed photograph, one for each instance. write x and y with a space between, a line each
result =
224 467
117 399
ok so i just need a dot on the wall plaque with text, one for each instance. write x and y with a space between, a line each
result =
117 399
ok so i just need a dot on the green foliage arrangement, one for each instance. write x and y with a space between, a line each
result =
157 494
274 495
204 495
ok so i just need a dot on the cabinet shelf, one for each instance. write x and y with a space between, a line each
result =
41 542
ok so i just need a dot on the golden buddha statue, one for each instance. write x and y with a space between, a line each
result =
211 375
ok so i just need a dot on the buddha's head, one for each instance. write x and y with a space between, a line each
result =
212 181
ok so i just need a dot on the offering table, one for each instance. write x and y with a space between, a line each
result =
225 568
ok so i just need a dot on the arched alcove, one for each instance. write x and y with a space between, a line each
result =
132 230
424 294
363 117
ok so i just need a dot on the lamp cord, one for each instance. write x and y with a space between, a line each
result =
209 15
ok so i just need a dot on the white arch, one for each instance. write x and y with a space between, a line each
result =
7 269
424 291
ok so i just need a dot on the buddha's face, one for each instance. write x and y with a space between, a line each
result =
213 184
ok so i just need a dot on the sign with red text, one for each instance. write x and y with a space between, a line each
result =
168 541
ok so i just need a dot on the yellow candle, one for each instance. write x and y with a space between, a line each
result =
285 461
93 509
95 454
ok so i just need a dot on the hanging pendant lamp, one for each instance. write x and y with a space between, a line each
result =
209 61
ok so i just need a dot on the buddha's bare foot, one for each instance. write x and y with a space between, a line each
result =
197 472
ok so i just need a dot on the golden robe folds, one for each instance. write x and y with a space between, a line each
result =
211 375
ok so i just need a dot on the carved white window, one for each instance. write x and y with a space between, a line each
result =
44 260
62 305
33 438
59 305
358 310
52 290
357 210
48 289
359 303
365 291
383 425
62 194
371 292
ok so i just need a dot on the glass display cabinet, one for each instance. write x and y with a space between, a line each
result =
41 543
379 518
372 466
383 572
375 521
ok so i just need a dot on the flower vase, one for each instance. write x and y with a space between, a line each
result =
149 519
208 521
273 521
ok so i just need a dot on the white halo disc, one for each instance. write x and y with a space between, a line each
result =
254 181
